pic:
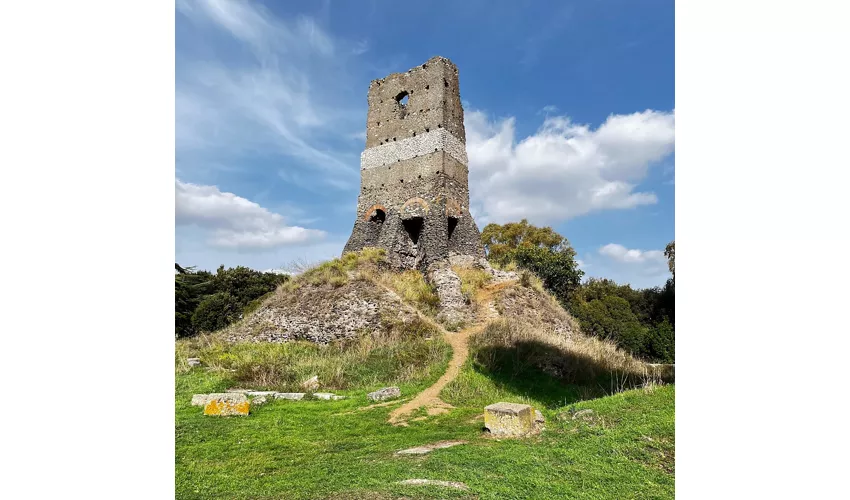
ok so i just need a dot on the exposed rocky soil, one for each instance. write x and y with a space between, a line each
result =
321 313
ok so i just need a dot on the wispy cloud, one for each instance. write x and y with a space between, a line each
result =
235 222
287 97
564 170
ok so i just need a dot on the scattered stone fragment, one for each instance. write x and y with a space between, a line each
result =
294 396
259 400
311 384
227 404
428 448
509 419
434 482
194 361
538 417
260 393
327 396
384 394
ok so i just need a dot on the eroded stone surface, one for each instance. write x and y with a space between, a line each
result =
194 361
227 404
448 285
538 417
200 399
509 419
384 394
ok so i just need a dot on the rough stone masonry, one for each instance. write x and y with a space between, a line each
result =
414 173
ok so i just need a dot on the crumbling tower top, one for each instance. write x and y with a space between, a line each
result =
423 99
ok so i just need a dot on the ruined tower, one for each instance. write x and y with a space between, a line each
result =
414 176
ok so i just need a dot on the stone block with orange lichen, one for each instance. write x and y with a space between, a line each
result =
227 404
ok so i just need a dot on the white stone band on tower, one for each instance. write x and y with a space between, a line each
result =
429 142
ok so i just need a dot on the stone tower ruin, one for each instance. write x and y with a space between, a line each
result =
414 176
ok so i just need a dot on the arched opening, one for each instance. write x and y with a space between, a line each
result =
413 227
378 217
452 225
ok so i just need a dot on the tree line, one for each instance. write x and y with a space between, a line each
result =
205 301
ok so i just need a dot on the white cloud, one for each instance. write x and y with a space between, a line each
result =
564 170
639 268
622 254
236 222
285 94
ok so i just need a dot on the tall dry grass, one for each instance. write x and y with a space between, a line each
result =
472 279
509 345
399 352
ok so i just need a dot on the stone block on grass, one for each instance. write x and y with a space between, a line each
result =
328 396
227 404
385 393
509 419
292 396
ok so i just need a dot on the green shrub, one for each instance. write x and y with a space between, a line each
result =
558 270
216 311
661 343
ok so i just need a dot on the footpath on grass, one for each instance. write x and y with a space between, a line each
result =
430 397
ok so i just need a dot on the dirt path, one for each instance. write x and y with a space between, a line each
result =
430 397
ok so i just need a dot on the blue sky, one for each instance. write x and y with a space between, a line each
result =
568 109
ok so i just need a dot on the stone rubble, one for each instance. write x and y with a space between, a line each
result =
428 448
311 384
327 396
384 394
435 482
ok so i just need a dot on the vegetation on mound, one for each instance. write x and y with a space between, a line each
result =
396 354
472 279
335 272
412 287
639 321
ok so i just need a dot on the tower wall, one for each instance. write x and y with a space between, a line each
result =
414 194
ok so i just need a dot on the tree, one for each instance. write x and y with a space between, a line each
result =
501 240
558 270
539 249
670 253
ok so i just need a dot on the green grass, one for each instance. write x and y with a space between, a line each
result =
312 449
